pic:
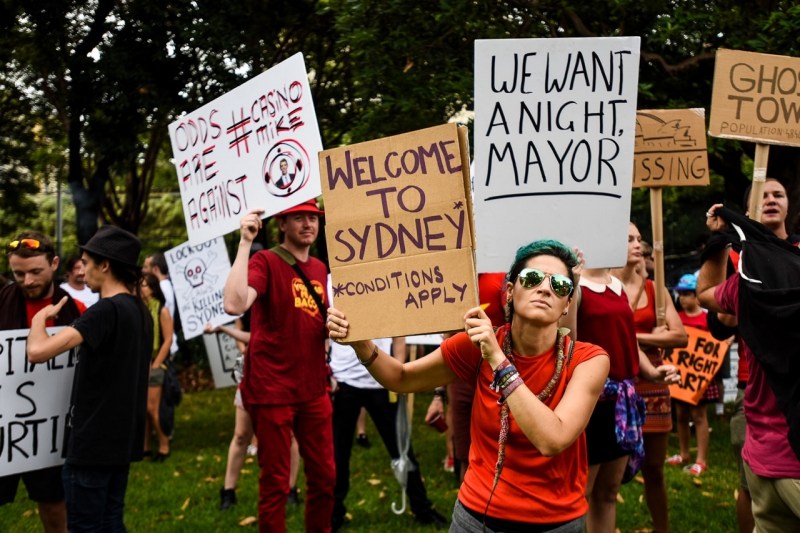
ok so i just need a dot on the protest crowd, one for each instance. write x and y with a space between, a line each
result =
561 359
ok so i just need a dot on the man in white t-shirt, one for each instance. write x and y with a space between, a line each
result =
75 284
156 264
357 389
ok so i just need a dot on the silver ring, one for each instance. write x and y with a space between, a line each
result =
709 215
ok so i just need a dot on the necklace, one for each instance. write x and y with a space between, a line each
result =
542 396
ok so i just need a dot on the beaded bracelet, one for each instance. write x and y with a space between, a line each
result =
509 389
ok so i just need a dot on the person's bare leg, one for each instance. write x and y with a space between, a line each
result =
448 435
684 433
361 423
744 512
602 514
655 488
700 416
593 470
294 464
242 435
153 401
148 430
53 516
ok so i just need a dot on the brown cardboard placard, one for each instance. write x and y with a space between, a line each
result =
400 232
670 148
756 97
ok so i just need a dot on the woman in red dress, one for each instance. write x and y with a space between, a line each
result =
652 338
534 386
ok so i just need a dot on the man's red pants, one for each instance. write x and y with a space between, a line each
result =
313 429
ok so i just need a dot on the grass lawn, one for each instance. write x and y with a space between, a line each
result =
182 494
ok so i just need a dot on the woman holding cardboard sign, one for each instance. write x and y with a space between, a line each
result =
535 386
652 339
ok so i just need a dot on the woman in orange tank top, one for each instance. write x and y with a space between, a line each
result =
534 387
658 420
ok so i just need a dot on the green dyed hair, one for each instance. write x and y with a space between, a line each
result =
536 248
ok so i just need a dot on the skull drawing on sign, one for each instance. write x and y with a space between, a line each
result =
194 271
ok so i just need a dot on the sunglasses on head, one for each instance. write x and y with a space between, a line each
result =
533 277
31 244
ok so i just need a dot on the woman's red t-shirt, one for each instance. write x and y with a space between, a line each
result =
698 321
532 488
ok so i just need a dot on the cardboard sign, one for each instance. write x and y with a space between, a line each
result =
756 98
34 402
222 352
670 148
697 364
400 232
198 274
554 133
256 146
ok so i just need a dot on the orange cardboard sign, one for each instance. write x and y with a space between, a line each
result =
756 98
670 149
697 364
400 232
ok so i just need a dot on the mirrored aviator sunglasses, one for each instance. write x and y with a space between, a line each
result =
533 277
31 244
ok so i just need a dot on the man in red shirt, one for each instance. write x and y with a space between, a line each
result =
33 261
772 469
285 372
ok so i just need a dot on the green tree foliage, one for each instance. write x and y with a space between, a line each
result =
112 75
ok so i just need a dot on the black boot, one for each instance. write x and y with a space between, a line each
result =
227 498
432 517
293 499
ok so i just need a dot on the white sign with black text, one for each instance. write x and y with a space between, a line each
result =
198 274
255 146
34 403
554 135
222 353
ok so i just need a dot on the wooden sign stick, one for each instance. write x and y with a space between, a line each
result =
759 178
656 213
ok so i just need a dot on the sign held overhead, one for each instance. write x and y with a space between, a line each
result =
400 232
198 274
670 148
756 97
255 146
554 136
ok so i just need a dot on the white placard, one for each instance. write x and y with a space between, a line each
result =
230 153
432 340
222 352
34 402
554 138
198 274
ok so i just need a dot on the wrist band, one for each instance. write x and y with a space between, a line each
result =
509 389
441 393
372 357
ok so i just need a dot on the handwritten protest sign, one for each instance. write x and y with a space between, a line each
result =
198 274
222 352
554 137
256 146
697 364
400 232
670 148
756 97
34 402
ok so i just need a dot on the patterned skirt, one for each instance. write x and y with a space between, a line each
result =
658 417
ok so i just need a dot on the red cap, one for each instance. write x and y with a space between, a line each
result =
309 206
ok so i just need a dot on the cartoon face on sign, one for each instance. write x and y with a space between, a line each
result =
286 168
195 271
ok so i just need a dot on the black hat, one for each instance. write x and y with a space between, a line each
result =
115 244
